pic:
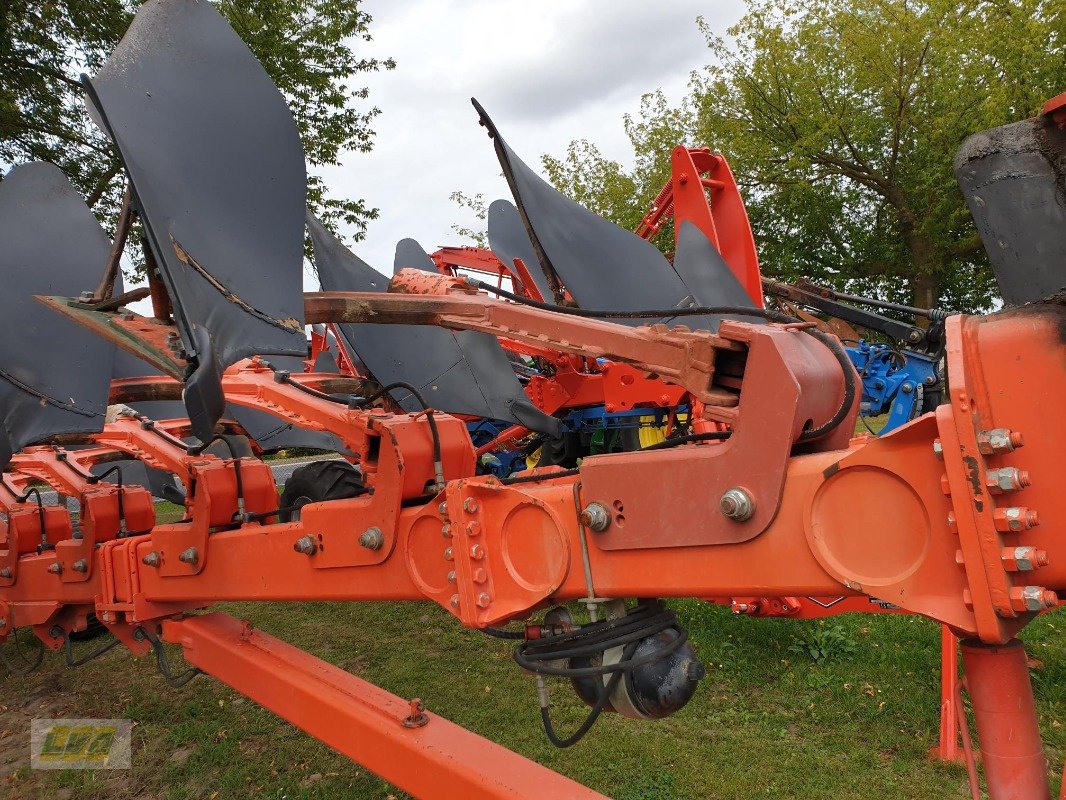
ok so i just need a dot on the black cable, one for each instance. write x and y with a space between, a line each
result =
830 342
544 476
226 440
177 681
499 633
27 666
68 649
122 533
437 465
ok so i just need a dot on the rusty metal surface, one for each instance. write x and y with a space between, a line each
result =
462 373
216 165
1013 181
53 378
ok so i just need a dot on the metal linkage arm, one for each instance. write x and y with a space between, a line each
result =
398 739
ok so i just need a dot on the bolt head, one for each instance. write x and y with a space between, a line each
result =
305 545
483 600
190 556
448 554
5 572
81 565
596 517
477 552
473 528
737 504
998 441
55 568
151 559
442 509
480 575
454 601
446 530
451 576
372 538
470 505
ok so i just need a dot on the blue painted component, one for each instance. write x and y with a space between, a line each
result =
893 381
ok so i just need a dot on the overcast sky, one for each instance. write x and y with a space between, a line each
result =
547 73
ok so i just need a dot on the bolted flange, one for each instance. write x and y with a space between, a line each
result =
737 504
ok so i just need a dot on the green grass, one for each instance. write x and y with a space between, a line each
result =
766 722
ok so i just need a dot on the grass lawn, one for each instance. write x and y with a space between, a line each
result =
766 722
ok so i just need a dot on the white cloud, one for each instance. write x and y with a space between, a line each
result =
547 72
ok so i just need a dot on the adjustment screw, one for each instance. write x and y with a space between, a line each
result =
55 568
190 556
81 565
151 559
483 600
470 505
305 545
372 538
998 441
596 517
737 504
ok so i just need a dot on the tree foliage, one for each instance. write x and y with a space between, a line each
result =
840 119
309 48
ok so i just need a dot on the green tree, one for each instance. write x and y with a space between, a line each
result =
840 119
309 48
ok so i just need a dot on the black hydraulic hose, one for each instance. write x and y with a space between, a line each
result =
226 439
414 392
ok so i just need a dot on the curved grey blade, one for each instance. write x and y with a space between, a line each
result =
508 240
603 265
217 172
458 374
1014 180
54 378
705 272
411 255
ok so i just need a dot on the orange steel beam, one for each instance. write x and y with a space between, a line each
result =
412 748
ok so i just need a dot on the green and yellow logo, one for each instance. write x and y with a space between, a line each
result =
80 744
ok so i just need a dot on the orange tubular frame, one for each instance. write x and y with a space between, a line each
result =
960 547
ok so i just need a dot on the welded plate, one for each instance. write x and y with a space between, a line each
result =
53 377
508 240
468 376
603 265
217 171
1012 178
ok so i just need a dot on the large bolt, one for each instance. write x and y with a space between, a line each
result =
446 530
477 552
448 554
372 538
596 517
442 509
451 576
1006 479
998 441
81 565
483 600
151 559
305 545
480 575
1015 518
1032 598
1023 559
190 556
55 568
454 601
737 504
473 528
470 505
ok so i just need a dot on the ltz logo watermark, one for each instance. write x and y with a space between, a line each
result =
80 743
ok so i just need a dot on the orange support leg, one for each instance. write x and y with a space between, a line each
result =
948 749
997 678
414 749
